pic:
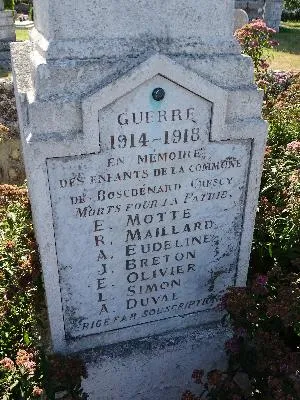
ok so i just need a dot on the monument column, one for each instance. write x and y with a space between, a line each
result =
143 143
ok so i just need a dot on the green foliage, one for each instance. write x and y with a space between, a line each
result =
291 4
19 285
20 380
289 16
19 278
9 4
277 230
255 38
265 316
263 352
22 35
26 372
31 14
283 114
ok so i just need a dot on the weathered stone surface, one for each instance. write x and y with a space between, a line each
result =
11 163
240 18
273 13
154 368
161 214
7 35
7 32
143 208
253 8
269 10
90 28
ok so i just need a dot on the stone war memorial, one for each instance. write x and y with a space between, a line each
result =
143 143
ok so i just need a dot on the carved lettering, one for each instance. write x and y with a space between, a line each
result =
150 226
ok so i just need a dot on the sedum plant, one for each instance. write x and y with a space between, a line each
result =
255 38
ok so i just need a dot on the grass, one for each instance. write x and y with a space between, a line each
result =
287 55
3 73
22 34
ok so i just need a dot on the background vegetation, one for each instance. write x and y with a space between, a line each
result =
291 4
26 370
287 55
264 352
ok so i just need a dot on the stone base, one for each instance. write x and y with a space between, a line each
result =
157 368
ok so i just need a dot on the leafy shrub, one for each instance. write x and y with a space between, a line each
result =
19 379
291 15
291 4
283 115
26 371
255 38
9 4
264 355
277 230
20 274
273 83
266 320
31 13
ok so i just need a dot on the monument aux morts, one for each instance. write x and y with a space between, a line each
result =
143 144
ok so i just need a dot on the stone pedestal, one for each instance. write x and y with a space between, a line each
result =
7 34
143 145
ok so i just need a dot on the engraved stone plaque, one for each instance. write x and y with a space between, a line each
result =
149 228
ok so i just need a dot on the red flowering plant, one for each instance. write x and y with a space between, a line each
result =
215 385
20 379
26 371
267 313
255 38
277 230
283 114
264 352
274 83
